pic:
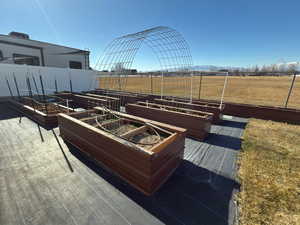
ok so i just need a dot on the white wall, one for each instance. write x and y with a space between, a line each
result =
82 80
9 50
54 55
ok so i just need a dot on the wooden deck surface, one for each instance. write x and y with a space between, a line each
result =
41 183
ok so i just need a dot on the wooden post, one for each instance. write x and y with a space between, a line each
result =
290 90
200 85
151 84
191 92
162 85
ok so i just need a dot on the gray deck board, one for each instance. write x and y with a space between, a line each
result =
38 187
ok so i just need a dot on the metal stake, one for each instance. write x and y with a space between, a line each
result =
55 82
30 92
43 92
8 85
71 86
17 87
36 88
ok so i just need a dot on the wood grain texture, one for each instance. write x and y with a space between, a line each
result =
88 101
48 121
197 126
280 114
204 107
146 170
37 187
125 97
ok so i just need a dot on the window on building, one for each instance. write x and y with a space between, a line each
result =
26 59
1 56
75 65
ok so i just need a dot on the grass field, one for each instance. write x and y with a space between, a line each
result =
252 90
270 174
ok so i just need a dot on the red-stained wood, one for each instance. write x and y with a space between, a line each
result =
38 114
199 106
144 168
197 123
125 97
289 115
89 101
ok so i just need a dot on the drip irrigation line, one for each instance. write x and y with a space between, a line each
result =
138 143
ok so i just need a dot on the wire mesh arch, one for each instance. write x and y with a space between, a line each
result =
169 47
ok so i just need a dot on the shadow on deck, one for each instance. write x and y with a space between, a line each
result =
67 187
193 195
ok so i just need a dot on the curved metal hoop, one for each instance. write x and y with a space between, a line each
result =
168 45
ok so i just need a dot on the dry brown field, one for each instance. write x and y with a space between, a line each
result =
268 90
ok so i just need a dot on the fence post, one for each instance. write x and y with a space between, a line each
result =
191 94
223 92
151 83
290 90
162 85
200 85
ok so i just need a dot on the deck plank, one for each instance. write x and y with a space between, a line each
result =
38 187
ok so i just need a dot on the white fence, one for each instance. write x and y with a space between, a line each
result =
82 80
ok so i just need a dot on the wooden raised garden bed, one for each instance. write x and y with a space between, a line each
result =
197 123
43 114
142 152
204 107
125 97
88 101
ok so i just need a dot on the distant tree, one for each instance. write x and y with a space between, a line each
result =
292 68
119 67
256 70
236 72
274 68
282 67
263 70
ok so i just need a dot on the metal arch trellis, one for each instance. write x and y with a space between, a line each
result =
169 47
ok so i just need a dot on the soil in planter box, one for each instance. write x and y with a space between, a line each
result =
146 140
124 129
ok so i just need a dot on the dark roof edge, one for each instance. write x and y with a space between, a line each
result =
43 42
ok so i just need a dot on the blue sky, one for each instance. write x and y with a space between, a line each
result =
219 32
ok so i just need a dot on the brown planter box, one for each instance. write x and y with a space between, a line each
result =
280 114
113 102
197 123
145 168
88 101
64 94
196 101
125 97
263 112
204 107
39 114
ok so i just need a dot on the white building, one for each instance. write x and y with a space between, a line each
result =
17 48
